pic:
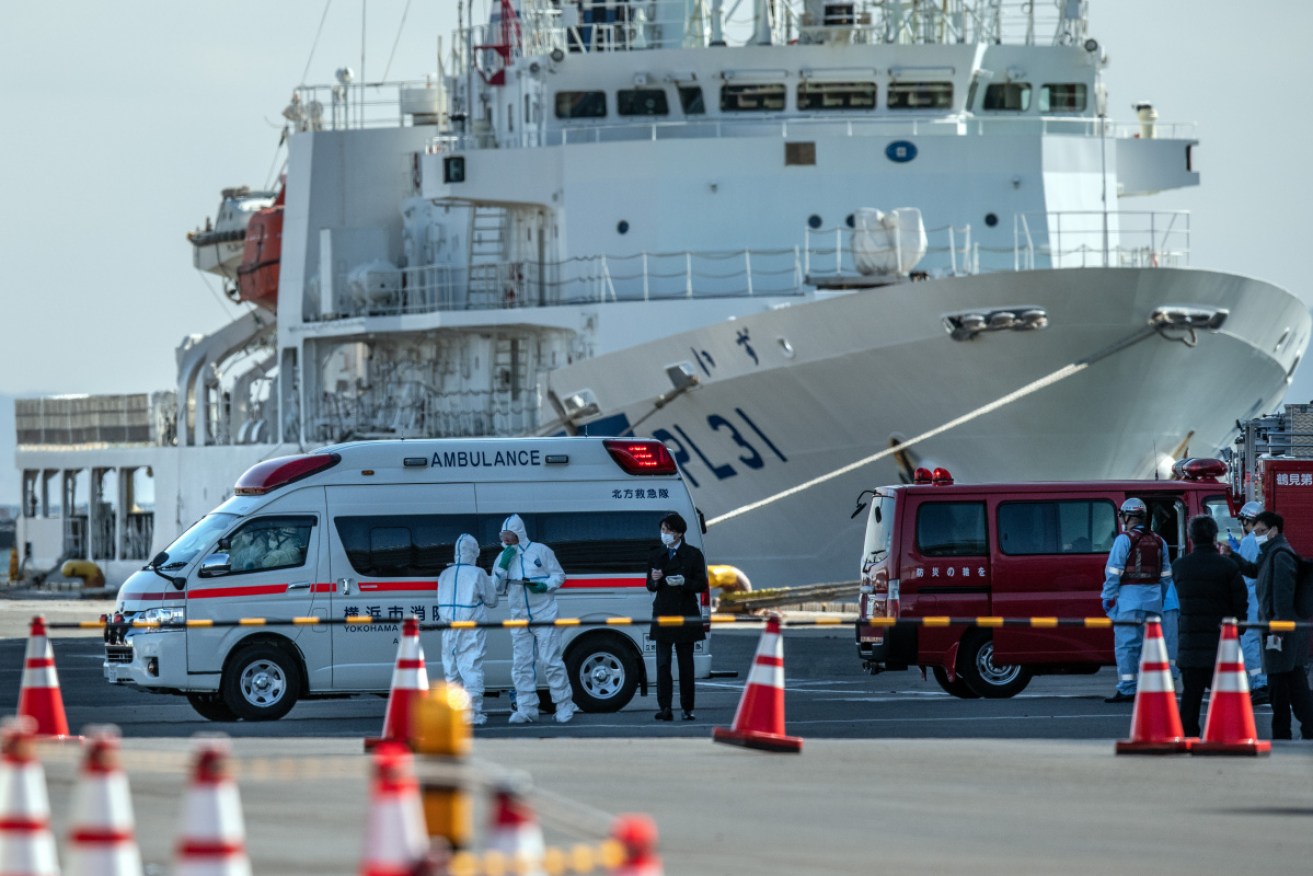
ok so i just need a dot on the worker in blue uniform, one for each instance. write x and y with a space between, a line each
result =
1138 574
1252 640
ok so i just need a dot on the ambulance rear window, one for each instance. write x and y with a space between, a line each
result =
951 529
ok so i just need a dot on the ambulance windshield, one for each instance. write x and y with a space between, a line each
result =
200 536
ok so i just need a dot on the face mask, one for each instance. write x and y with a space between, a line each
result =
667 539
1259 539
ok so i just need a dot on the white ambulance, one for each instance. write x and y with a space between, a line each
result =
364 529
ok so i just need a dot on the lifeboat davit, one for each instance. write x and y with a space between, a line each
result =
257 275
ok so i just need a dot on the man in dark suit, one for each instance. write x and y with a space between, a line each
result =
1210 588
677 574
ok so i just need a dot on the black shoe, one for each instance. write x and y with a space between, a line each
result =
1120 697
665 715
688 715
1259 696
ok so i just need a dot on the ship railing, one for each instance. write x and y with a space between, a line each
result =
353 105
462 413
828 253
821 125
1094 238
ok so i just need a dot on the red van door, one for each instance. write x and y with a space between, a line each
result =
1051 552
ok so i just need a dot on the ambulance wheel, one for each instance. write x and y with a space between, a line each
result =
261 683
957 687
603 672
211 707
975 666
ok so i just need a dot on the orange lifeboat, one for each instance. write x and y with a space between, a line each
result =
257 275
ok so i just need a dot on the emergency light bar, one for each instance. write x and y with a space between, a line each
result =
940 477
641 457
271 474
1192 469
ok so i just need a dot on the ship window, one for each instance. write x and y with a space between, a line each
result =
752 97
641 102
920 95
951 529
1075 527
580 104
836 95
1007 97
1062 97
690 100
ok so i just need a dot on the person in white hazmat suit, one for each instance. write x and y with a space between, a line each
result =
465 592
528 575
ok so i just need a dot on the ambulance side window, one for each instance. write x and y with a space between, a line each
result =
270 543
951 529
402 545
1070 527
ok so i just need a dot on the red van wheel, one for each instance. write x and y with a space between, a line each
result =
957 687
976 667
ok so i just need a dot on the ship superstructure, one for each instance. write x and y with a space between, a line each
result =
860 223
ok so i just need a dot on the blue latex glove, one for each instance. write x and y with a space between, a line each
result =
536 587
507 554
1232 541
1108 605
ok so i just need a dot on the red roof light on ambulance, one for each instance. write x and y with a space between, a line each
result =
641 457
271 474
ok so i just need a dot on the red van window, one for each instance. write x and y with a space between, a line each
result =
951 529
1070 527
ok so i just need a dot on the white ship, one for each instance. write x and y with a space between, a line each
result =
870 237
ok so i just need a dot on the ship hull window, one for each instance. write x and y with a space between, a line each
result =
836 96
920 95
690 100
1062 97
752 97
1013 97
580 104
641 102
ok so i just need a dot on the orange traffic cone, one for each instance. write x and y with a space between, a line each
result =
515 833
759 721
26 844
409 679
1155 720
637 835
213 841
396 842
39 697
100 837
1229 728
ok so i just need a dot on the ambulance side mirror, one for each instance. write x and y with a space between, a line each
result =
215 565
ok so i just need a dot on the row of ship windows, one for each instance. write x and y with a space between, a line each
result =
1059 97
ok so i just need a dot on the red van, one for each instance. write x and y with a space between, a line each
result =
936 548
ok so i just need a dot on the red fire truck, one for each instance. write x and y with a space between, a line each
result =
1272 463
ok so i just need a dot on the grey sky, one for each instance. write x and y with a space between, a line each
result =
124 120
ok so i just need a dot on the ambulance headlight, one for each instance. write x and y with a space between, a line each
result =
164 616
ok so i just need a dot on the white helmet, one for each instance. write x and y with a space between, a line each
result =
1250 510
1135 507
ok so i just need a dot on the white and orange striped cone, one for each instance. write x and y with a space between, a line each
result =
1155 719
1229 728
637 836
409 680
39 697
27 846
759 720
213 841
100 834
514 832
396 841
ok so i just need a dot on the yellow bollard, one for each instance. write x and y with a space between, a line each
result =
13 566
442 736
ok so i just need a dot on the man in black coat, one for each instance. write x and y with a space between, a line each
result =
1210 588
677 574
